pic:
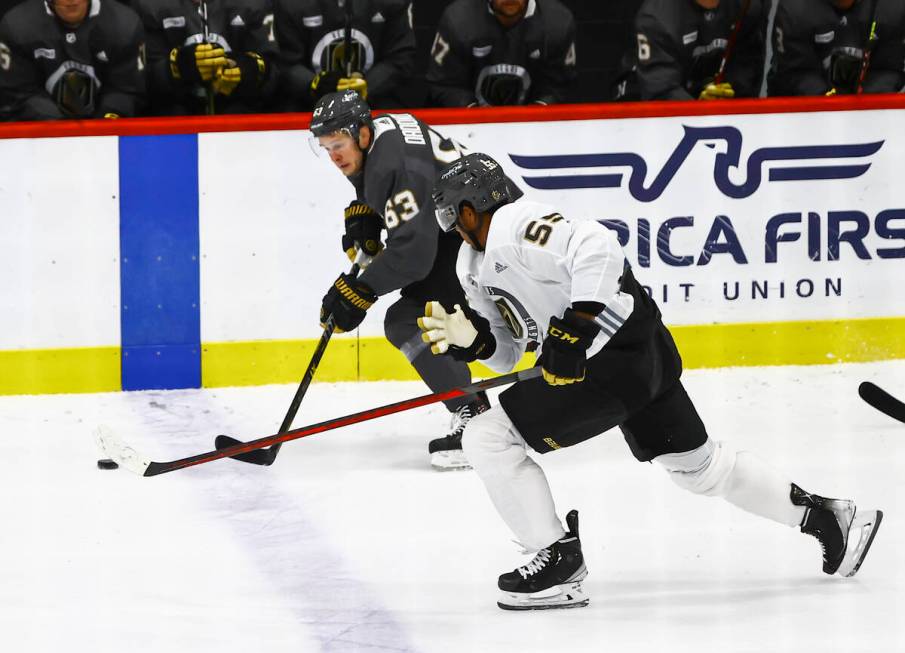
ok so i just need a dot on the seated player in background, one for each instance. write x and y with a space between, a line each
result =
311 38
392 162
531 276
681 46
502 52
824 47
211 56
71 59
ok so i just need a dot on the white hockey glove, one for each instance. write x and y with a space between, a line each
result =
463 334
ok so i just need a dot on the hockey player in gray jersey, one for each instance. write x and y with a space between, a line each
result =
392 161
830 47
680 49
532 276
212 56
503 52
71 59
311 35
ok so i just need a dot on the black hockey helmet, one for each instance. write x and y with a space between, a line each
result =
340 111
475 178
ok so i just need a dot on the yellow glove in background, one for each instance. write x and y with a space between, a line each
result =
719 91
227 79
356 82
247 69
197 62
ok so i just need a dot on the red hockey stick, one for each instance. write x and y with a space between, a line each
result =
132 460
730 45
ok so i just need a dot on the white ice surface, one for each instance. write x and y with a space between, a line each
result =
351 543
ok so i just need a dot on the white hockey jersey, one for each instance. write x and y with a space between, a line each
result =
534 266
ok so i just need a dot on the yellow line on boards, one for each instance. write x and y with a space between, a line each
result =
51 371
97 369
702 346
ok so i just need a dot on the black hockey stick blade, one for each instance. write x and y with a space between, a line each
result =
882 400
267 457
257 457
131 459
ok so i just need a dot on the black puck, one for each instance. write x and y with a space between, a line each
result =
107 463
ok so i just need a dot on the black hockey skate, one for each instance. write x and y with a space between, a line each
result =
845 534
446 452
552 579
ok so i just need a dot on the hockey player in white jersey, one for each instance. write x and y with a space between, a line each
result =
535 280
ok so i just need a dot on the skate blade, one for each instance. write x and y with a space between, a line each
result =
860 536
448 461
558 597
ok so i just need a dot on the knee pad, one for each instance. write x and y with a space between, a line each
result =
404 336
705 470
491 435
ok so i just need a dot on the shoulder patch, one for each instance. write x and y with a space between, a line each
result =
312 21
173 22
45 53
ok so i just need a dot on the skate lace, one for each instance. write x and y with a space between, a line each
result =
540 561
459 419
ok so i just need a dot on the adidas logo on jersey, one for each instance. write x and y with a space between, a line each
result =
378 18
237 22
499 267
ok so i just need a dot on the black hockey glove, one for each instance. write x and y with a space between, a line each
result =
463 334
198 62
563 354
325 82
348 300
845 70
363 225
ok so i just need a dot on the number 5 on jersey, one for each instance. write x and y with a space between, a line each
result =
540 233
400 208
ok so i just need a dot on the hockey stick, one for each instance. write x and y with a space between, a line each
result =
730 45
872 38
882 400
132 460
210 108
267 456
347 41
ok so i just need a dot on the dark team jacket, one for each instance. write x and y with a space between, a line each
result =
235 25
475 60
36 50
680 46
808 34
401 165
310 34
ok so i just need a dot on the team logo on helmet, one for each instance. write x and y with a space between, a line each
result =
452 172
